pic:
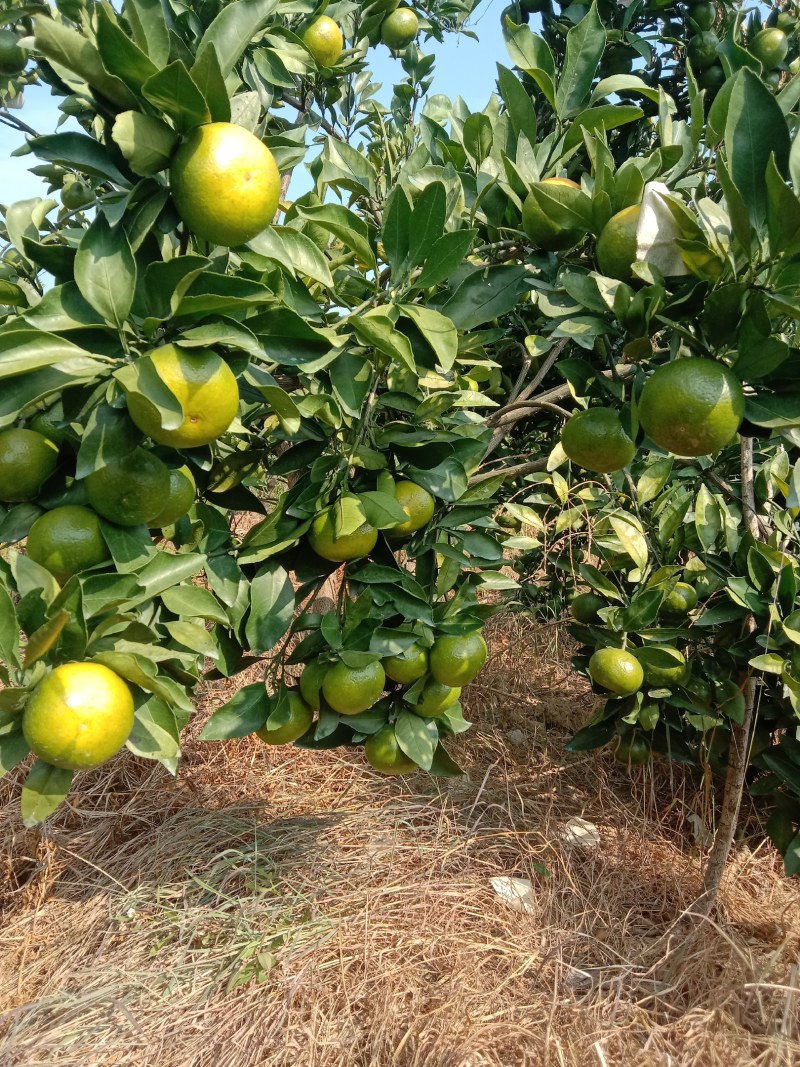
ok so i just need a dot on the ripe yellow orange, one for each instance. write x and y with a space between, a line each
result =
225 183
456 660
206 389
131 490
383 752
66 541
408 666
542 230
323 540
417 503
324 40
182 489
78 716
300 719
27 459
617 245
351 690
596 440
692 407
616 670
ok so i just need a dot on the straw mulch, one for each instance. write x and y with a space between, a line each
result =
278 907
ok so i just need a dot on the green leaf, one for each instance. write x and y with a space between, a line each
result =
141 379
234 28
773 411
417 737
382 510
444 257
208 77
755 130
44 789
194 602
121 55
518 103
155 733
149 27
427 221
146 142
585 46
627 82
485 295
379 331
437 329
195 637
81 152
737 207
477 138
272 603
244 713
396 230
783 212
66 47
443 765
346 226
605 117
13 750
653 479
295 250
631 537
42 640
9 631
447 480
173 91
24 349
345 167
109 435
351 377
105 271
791 857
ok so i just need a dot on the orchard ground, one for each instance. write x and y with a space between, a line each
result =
274 906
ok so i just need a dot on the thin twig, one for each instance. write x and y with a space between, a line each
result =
16 123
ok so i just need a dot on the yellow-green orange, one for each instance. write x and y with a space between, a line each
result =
399 28
456 659
680 599
76 195
297 723
595 439
206 389
78 716
616 670
311 682
540 227
436 698
27 459
323 540
66 541
691 407
417 503
408 666
616 245
662 665
181 496
351 690
225 183
324 40
585 606
383 752
770 47
130 490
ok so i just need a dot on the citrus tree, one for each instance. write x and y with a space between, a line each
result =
574 310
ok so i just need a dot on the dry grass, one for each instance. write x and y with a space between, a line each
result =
280 908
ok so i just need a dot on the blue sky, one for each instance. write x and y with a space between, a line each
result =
464 68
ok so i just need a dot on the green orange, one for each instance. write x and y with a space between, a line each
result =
681 599
78 716
323 540
27 459
702 49
206 389
225 183
704 14
692 407
617 244
616 670
770 47
12 57
298 722
543 231
585 606
632 749
399 28
66 541
130 490
436 698
324 40
663 665
595 439
417 503
383 752
311 682
182 490
408 666
455 660
76 195
351 690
